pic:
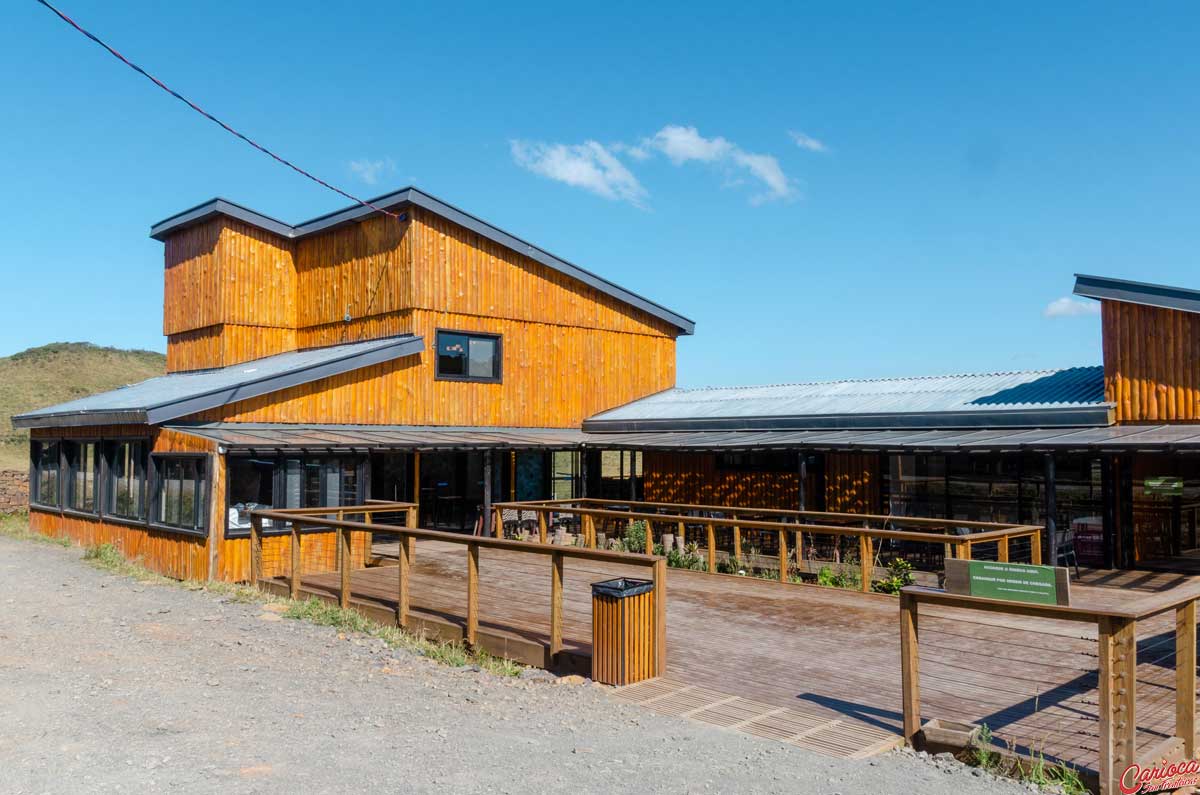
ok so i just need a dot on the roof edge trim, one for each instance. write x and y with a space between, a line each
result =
1158 295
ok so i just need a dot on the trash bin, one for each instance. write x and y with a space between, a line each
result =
623 631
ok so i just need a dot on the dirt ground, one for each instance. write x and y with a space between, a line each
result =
111 685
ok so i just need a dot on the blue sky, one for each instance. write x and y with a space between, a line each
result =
829 191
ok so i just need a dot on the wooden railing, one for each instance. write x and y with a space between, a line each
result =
304 521
1117 652
784 523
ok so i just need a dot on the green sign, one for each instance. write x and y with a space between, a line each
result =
1013 582
1166 486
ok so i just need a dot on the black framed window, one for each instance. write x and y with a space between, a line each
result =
180 487
83 464
126 486
289 482
44 485
463 356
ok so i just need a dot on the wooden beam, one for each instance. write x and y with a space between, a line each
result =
255 549
660 616
866 559
1002 550
910 668
1118 689
1185 677
783 556
1035 549
472 593
543 528
404 566
294 582
344 561
556 605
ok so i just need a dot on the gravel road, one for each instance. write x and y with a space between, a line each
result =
107 684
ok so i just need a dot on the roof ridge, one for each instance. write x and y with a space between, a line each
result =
1043 371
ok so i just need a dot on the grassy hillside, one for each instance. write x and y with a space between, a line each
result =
57 373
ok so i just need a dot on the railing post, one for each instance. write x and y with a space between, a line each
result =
556 605
404 560
866 556
712 548
1185 677
783 556
1035 548
543 529
799 547
910 668
649 537
343 542
660 616
737 543
681 534
588 526
1002 550
410 517
255 549
497 523
963 550
294 585
472 593
1118 686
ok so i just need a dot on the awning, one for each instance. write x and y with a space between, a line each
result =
256 437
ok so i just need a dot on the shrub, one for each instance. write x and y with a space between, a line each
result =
689 558
635 537
900 574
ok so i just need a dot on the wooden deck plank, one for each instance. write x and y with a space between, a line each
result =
820 667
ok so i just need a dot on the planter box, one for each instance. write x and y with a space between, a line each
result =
947 736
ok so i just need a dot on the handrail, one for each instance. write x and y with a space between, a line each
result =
1117 656
410 533
866 535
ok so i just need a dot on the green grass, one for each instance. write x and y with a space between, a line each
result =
15 525
59 372
1034 770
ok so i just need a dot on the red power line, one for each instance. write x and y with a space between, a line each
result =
211 117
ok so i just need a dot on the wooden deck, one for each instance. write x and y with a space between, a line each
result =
819 667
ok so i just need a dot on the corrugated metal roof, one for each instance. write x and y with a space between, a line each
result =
277 436
169 397
1116 438
1072 396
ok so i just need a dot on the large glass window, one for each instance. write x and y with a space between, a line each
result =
292 482
916 485
44 486
82 464
180 492
251 485
564 474
984 488
126 480
468 357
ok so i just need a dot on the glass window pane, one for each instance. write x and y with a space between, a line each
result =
452 354
481 357
47 473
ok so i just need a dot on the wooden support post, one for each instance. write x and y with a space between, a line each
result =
255 549
415 512
588 526
649 537
472 593
1002 550
681 534
1185 678
660 616
543 529
866 559
910 668
783 556
488 523
737 543
798 545
294 584
1035 549
963 550
404 567
1051 509
556 605
712 549
343 541
1117 684
497 523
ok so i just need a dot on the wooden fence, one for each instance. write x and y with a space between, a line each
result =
788 527
304 521
1117 654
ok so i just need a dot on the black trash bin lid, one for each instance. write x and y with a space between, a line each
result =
622 587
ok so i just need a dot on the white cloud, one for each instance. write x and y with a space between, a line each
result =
683 144
805 141
588 165
598 168
369 171
1071 307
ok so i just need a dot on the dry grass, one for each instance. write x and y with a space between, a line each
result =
57 373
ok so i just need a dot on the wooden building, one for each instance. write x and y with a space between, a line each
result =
422 354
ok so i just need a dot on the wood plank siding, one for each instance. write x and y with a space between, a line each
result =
851 482
1151 362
